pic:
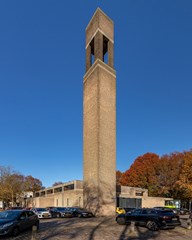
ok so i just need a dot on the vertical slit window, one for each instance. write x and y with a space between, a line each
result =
92 52
105 50
92 59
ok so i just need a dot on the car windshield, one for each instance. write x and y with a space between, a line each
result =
9 214
61 209
69 209
167 212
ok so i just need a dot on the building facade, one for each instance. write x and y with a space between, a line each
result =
67 194
70 194
134 197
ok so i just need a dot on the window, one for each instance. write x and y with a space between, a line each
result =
151 211
30 213
139 193
49 191
37 194
92 52
105 49
137 211
59 189
23 215
42 193
69 187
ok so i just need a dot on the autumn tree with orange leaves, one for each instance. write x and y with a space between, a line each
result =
169 169
118 177
166 176
143 173
185 179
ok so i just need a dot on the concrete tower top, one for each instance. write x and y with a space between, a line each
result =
99 40
100 22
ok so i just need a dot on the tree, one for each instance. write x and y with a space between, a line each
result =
56 183
169 169
4 174
185 178
32 184
118 177
11 184
143 173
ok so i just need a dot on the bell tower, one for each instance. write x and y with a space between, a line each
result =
99 117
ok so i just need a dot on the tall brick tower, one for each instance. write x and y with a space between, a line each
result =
99 115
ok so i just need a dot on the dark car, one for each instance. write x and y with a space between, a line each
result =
57 211
175 210
153 219
128 209
81 212
67 213
52 211
77 212
12 222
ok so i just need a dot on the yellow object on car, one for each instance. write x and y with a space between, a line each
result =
120 210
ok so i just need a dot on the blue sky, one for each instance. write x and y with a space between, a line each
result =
42 64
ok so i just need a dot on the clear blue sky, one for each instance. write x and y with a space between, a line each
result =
42 63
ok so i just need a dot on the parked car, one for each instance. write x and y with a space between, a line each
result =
12 222
175 210
128 209
57 211
68 213
153 219
81 212
51 211
77 212
41 212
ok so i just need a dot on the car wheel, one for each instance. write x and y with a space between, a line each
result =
15 232
121 221
58 215
152 226
79 215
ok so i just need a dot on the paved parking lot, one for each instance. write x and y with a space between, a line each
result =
101 229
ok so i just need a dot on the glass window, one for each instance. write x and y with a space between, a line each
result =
30 213
69 187
23 215
137 211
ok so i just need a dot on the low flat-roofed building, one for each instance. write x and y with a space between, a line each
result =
131 197
67 194
70 194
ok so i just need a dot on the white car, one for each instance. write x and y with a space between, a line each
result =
42 212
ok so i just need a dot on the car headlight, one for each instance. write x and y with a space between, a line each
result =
6 225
